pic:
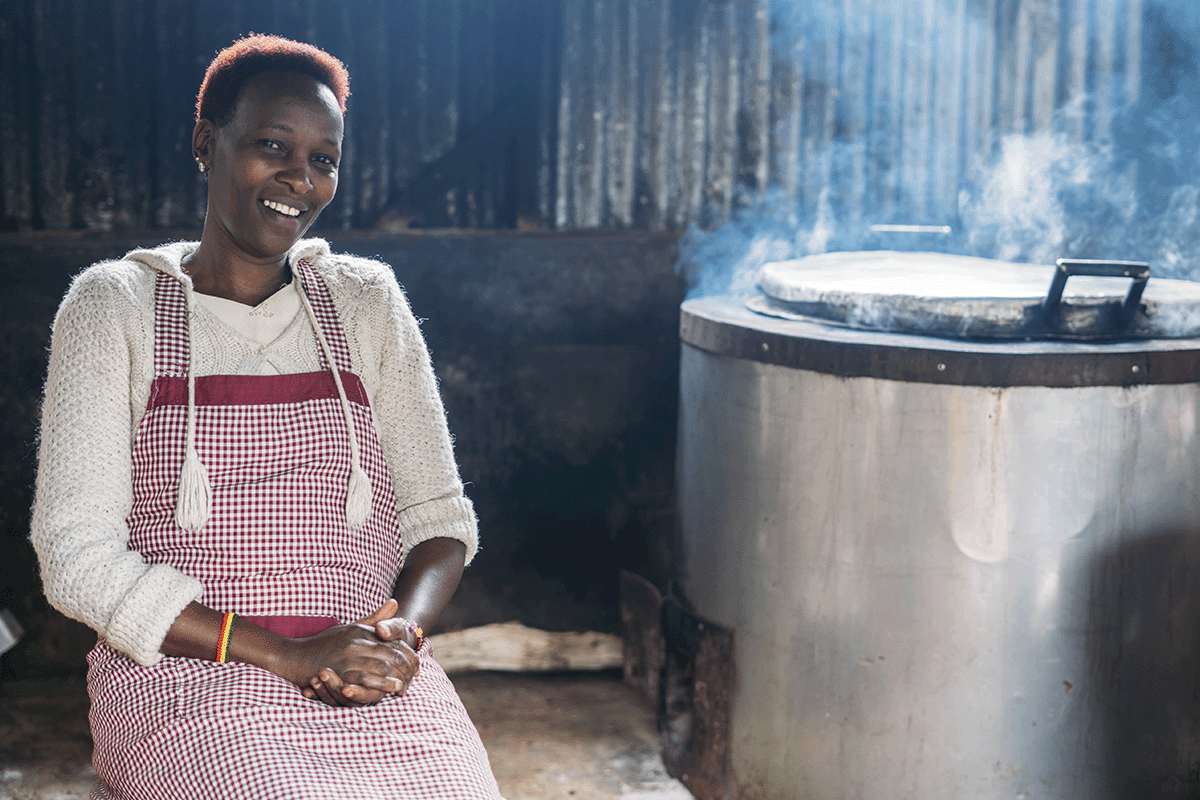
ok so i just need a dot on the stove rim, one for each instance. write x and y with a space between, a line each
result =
724 326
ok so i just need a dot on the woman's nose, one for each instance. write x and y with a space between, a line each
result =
296 176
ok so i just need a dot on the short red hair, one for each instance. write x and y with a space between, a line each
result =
257 53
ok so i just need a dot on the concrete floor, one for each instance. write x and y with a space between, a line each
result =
567 736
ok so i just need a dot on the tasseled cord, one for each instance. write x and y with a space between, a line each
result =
358 487
195 492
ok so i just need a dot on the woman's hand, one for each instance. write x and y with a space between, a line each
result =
348 687
431 573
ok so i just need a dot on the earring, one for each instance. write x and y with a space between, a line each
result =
201 165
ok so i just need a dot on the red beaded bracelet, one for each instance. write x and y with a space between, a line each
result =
417 630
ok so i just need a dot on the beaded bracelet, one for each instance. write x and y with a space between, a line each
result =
227 623
417 630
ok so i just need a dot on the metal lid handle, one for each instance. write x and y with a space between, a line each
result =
1139 272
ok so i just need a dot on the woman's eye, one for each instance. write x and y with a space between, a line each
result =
270 145
325 160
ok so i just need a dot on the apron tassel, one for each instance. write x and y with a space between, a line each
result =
195 493
358 496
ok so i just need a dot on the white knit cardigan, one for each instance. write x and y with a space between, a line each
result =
97 387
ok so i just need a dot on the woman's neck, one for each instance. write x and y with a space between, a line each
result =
247 282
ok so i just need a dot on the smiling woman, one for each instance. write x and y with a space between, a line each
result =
246 484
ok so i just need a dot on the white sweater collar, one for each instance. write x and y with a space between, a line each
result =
168 257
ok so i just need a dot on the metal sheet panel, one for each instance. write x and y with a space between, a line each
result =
98 99
571 113
884 108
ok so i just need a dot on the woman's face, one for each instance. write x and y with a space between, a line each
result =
273 166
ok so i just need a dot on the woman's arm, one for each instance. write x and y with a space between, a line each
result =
352 650
429 579
84 482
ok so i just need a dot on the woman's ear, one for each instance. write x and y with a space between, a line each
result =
202 144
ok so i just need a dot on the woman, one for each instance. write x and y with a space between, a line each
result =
242 442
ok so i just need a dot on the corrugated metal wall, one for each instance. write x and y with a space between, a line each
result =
96 105
567 113
667 108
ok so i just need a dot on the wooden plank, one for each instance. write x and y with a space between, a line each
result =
513 647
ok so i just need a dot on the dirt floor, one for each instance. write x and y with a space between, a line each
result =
567 736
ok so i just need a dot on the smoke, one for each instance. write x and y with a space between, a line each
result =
1112 172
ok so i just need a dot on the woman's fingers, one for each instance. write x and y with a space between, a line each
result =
395 632
385 611
382 684
352 689
327 686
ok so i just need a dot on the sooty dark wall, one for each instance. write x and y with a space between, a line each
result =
558 361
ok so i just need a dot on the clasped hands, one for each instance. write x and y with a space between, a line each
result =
357 664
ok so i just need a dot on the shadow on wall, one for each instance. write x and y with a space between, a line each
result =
558 359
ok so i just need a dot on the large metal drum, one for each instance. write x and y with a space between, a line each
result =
954 568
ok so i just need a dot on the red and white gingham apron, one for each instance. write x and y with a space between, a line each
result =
276 545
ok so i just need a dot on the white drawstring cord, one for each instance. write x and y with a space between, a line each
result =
358 487
194 503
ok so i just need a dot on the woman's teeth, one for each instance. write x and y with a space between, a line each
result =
281 208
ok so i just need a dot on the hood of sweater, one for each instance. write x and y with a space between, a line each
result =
168 257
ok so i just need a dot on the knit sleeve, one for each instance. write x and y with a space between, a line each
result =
411 420
84 486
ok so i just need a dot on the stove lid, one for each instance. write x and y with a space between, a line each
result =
976 298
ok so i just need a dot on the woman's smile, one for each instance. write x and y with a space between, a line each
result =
282 208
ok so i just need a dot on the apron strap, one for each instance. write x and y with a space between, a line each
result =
325 313
170 328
